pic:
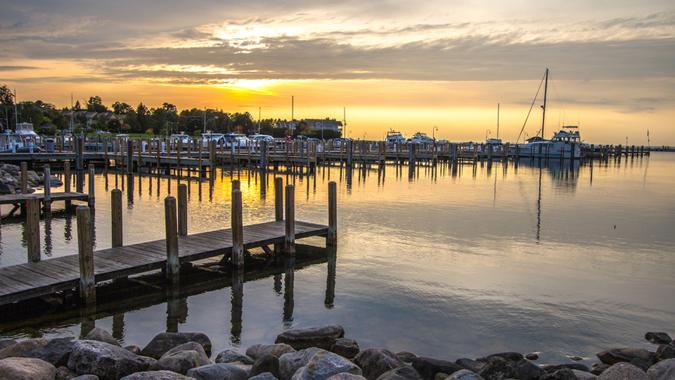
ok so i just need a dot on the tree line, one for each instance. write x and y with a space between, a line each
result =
94 116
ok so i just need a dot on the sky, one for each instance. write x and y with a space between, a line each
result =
439 67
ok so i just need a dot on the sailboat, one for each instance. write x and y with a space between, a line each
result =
565 143
495 141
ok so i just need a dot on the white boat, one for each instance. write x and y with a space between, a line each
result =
565 144
420 138
210 136
259 137
182 137
394 137
236 139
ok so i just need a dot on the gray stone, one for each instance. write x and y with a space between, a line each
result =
277 350
561 374
64 373
556 367
405 372
6 343
218 371
156 375
233 356
321 337
618 355
376 361
348 348
623 371
665 351
497 367
182 358
102 336
663 370
428 367
583 375
405 356
346 376
266 363
133 348
105 360
508 356
325 364
470 364
85 377
26 369
263 376
599 368
163 342
440 376
464 374
658 337
526 370
54 351
292 361
532 356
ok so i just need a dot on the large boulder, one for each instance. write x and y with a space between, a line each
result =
405 372
218 371
405 356
321 337
54 351
618 355
163 342
325 364
105 360
292 361
497 367
623 371
6 343
376 361
583 375
508 356
429 367
26 369
233 356
263 376
346 376
665 351
526 370
658 337
348 348
257 350
182 358
156 375
555 367
266 363
561 374
102 336
464 374
470 364
662 370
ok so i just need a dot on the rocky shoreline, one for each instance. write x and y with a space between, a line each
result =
320 353
10 179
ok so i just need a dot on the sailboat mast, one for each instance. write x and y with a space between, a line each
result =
543 116
497 120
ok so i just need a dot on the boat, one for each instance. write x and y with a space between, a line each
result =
394 137
495 141
420 138
565 143
22 140
182 137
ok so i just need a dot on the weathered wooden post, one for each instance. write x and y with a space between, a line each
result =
130 156
350 152
33 229
289 241
116 217
278 199
182 210
331 237
24 177
79 147
172 269
47 179
85 251
91 188
66 180
237 230
236 185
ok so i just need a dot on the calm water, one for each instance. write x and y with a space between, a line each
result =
489 259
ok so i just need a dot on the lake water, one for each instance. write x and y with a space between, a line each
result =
487 259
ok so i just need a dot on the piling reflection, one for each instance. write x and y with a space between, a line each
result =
237 300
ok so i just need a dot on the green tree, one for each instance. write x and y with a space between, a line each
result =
121 108
95 104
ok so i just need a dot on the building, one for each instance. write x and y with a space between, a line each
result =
324 124
290 125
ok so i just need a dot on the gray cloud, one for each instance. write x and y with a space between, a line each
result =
16 68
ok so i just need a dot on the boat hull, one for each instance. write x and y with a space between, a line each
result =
550 149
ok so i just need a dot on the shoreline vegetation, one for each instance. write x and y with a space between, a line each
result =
317 353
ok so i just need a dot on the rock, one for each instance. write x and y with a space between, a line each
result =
64 373
428 367
439 376
346 376
658 337
375 361
561 374
623 371
266 363
325 364
599 368
54 351
532 356
163 342
508 356
662 370
85 377
583 375
464 374
665 351
470 364
182 358
618 355
133 348
218 371
575 358
102 336
277 350
497 367
5 188
526 370
156 375
556 367
6 343
263 376
26 369
642 364
348 348
233 356
321 337
292 361
105 360
405 356
405 372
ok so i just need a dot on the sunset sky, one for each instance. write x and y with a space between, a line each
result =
406 65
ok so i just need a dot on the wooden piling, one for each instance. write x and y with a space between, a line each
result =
91 188
86 255
331 237
24 177
236 185
33 229
172 269
237 230
289 241
116 217
182 210
130 156
278 199
47 180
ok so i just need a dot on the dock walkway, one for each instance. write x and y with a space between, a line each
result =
24 281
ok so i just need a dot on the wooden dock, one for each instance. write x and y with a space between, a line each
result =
24 281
